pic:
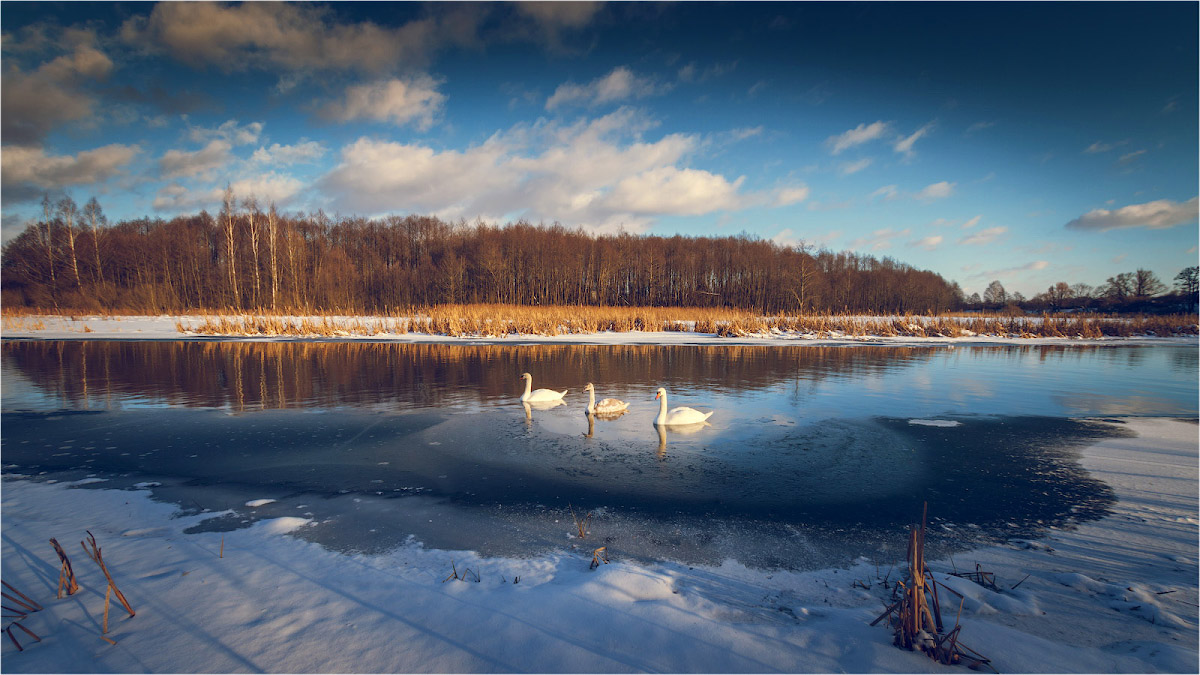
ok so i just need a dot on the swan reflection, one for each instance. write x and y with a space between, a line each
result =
530 406
681 429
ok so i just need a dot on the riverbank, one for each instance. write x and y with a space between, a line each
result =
1115 595
651 330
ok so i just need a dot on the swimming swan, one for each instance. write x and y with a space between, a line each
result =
677 416
607 406
539 394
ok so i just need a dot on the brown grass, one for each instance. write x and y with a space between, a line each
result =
496 321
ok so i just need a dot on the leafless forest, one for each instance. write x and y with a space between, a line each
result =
254 259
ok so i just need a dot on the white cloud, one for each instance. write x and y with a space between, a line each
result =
848 168
266 188
791 195
935 191
887 192
977 127
982 237
619 85
1101 146
1127 158
1155 215
300 37
880 239
668 190
786 237
972 222
180 163
863 133
395 101
905 144
229 132
593 173
300 153
928 243
29 165
1003 272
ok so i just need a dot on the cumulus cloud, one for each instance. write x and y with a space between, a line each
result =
669 190
32 103
298 37
267 188
394 101
935 191
1155 215
619 85
300 153
180 163
905 144
982 237
972 222
29 165
928 243
594 173
791 239
558 15
863 133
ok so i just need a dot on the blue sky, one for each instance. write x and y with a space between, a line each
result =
1027 142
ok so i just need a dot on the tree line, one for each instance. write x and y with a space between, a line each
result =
251 257
1139 291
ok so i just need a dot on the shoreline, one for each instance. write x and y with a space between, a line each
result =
1115 595
164 327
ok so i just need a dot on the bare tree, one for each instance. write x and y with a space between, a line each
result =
1120 287
228 205
1146 285
96 218
995 293
48 238
250 204
272 241
67 213
1188 283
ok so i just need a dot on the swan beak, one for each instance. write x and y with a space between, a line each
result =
656 395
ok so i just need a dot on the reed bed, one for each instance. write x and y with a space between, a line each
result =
493 321
498 321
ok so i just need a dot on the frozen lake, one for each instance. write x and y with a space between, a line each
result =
815 455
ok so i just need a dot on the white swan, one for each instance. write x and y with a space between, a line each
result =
532 396
678 416
608 406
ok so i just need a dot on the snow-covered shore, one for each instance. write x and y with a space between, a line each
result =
167 327
1116 595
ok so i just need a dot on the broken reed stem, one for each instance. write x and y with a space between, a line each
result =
95 555
66 575
222 553
107 594
14 637
9 586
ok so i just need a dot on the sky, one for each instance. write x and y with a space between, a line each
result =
1029 143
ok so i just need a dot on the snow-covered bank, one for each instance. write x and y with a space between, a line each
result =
168 327
1117 595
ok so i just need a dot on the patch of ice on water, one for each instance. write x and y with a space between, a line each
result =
935 423
255 503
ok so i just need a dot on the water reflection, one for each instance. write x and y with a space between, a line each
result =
828 381
812 446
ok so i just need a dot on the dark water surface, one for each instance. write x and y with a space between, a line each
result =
812 457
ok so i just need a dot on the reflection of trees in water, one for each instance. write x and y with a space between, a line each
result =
255 375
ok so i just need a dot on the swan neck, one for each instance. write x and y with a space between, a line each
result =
528 385
591 400
662 408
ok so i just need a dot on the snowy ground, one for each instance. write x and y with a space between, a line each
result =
167 328
1116 595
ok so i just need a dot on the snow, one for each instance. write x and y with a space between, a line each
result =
935 423
1115 595
166 327
255 503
